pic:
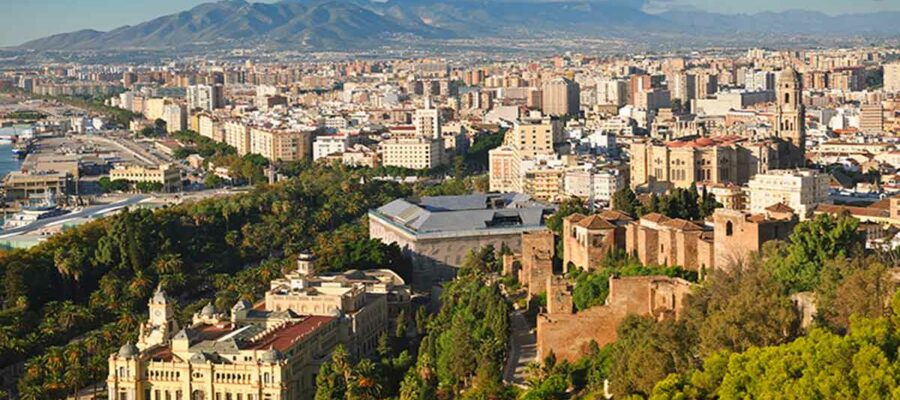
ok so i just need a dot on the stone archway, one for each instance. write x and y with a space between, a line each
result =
198 395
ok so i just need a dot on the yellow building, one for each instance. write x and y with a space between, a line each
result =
413 153
237 135
281 145
167 175
270 351
717 160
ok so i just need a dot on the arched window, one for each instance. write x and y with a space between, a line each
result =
729 228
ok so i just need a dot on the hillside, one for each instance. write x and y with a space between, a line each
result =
353 24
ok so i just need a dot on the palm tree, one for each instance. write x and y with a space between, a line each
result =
168 264
366 385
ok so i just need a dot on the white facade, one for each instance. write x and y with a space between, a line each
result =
325 146
800 190
599 185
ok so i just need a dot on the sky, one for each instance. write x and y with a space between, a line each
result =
23 20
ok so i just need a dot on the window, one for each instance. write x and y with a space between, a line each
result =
729 228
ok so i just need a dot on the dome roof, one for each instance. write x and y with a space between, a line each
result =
242 305
271 356
209 310
128 350
198 358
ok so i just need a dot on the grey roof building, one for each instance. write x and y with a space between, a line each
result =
438 232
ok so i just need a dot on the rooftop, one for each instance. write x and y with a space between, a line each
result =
465 213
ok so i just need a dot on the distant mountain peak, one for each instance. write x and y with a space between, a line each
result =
349 24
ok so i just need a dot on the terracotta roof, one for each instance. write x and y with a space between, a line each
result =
614 215
283 338
780 208
855 211
883 204
576 217
681 224
213 332
595 222
655 217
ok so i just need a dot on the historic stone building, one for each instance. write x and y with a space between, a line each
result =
587 240
658 240
790 115
268 351
534 265
738 234
568 334
658 166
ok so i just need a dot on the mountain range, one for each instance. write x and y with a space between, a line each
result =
350 24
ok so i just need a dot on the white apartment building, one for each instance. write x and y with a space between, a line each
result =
427 122
237 135
892 77
413 153
600 185
327 145
205 97
800 189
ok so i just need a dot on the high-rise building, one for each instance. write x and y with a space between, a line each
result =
892 77
535 135
790 125
683 87
871 118
561 96
175 117
427 121
612 91
205 97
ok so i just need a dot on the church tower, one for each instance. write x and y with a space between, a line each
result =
790 124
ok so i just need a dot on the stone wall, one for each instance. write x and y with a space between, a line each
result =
568 335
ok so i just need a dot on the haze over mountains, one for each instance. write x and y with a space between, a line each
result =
348 24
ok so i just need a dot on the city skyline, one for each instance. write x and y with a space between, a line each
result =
17 27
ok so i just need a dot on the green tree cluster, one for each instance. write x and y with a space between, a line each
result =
467 341
78 283
862 364
592 287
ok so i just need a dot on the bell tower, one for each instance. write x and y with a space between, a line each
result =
790 124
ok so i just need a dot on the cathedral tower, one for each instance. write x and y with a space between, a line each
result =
790 124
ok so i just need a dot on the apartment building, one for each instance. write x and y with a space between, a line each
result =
281 145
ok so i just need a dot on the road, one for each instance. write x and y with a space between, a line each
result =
87 212
523 349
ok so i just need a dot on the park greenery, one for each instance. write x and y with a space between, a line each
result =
72 300
457 353
25 115
122 185
247 169
688 204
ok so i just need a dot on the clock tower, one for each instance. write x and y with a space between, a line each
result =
161 325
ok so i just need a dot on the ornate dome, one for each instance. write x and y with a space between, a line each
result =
209 310
128 350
